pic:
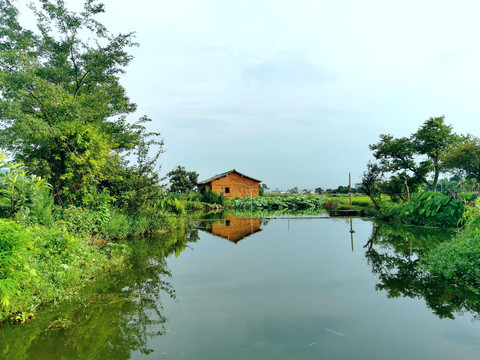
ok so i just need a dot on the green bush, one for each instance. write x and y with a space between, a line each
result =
83 221
153 221
428 209
211 197
14 263
44 208
172 205
19 193
118 226
331 204
47 264
459 259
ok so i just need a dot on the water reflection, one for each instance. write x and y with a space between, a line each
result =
117 316
233 228
289 305
395 252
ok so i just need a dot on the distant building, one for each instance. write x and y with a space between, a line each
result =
232 183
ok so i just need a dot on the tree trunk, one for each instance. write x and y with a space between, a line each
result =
407 190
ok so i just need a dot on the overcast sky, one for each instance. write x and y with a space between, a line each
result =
293 92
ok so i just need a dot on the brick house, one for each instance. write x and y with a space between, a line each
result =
232 183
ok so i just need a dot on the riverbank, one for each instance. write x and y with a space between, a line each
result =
65 250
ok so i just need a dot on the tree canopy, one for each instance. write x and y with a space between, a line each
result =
463 157
62 107
182 181
410 160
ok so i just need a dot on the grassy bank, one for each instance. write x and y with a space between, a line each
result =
41 264
458 261
56 251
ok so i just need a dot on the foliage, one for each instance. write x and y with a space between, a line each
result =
411 159
14 264
463 157
62 106
135 187
459 260
109 223
19 193
262 188
44 264
332 203
172 205
182 181
371 183
431 140
427 208
280 202
211 197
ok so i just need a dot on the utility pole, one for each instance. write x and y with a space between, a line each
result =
350 188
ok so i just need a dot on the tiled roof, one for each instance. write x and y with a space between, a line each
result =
225 174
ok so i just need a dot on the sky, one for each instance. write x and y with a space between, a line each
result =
292 92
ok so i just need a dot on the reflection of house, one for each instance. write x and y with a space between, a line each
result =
232 184
236 228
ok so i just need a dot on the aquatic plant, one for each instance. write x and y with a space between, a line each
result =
280 202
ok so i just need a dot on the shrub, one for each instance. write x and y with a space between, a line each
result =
47 264
212 197
459 259
331 204
427 208
19 193
14 269
171 204
118 226
42 211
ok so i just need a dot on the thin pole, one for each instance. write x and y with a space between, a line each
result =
351 232
350 188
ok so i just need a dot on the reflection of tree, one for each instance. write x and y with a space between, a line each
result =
394 254
118 315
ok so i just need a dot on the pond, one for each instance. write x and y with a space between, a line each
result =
264 288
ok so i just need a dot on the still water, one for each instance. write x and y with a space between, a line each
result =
250 288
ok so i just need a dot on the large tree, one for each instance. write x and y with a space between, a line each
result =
463 157
182 181
431 140
62 107
413 158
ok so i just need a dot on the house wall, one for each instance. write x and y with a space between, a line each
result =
237 184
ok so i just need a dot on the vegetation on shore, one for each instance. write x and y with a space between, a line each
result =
458 261
80 175
401 171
